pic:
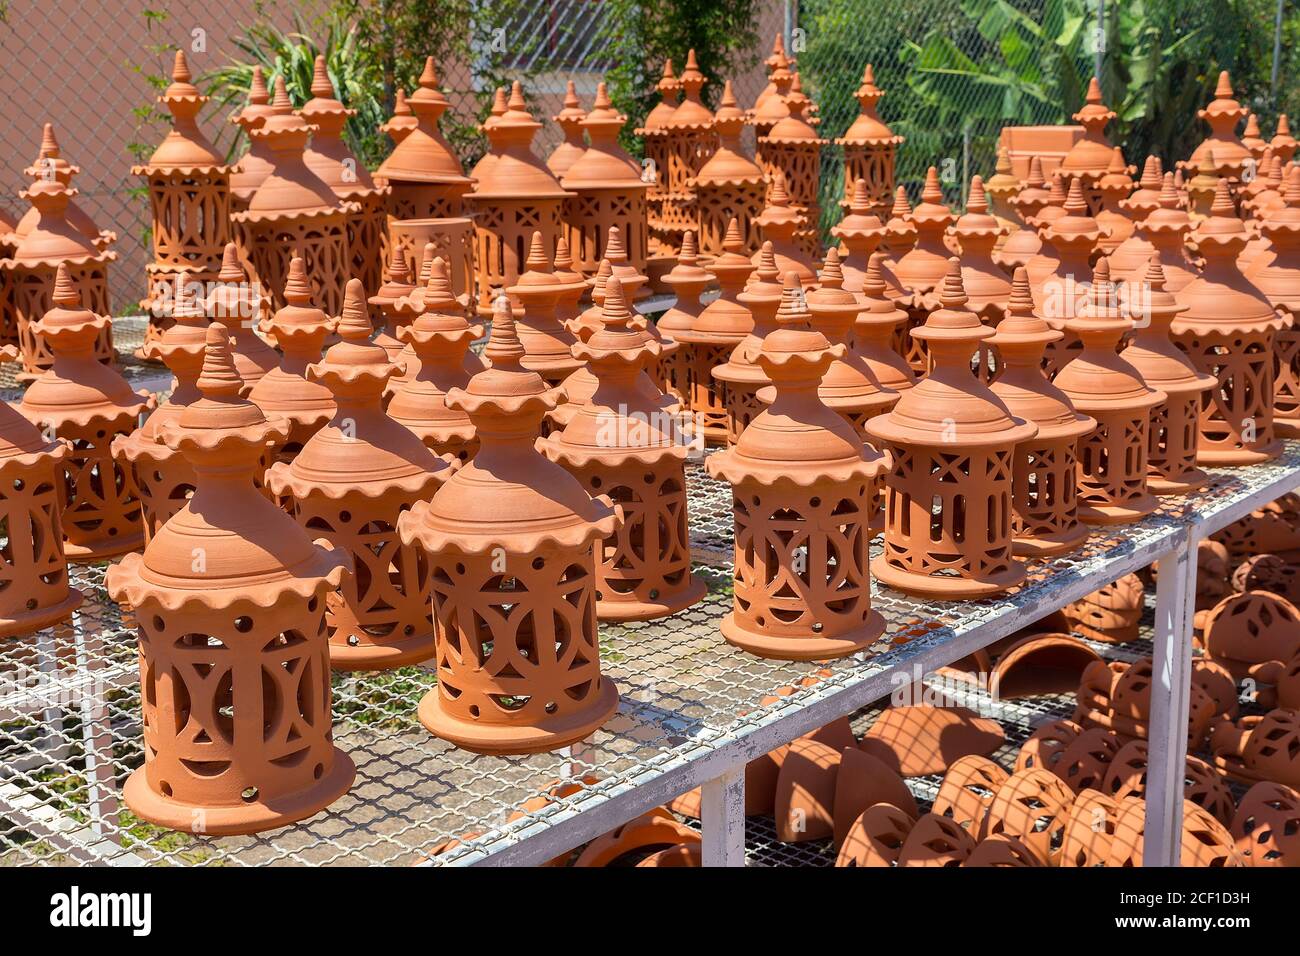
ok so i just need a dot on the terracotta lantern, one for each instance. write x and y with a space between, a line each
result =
567 308
900 231
574 143
235 302
1266 198
293 213
952 442
1113 188
721 326
1089 158
1251 139
399 284
255 165
1028 202
1283 143
286 393
1166 230
425 177
51 166
1172 429
878 327
620 443
802 491
921 269
349 483
440 339
1228 331
509 539
433 293
1130 257
1231 157
1044 495
608 193
793 149
729 185
33 568
688 280
229 600
771 106
870 149
987 286
399 126
665 219
861 232
546 342
1276 273
189 202
1064 271
87 404
690 142
330 158
1112 458
776 61
742 375
1202 186
1000 188
779 224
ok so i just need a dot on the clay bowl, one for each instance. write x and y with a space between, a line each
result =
864 781
936 841
968 789
1266 827
805 792
917 741
1031 806
876 837
1043 664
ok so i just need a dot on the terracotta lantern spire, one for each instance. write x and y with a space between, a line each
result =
1276 273
1130 257
803 489
779 224
1001 187
1090 156
922 268
987 286
1202 186
1044 496
440 338
861 232
666 218
742 375
229 600
952 443
1166 229
547 344
870 149
792 148
729 185
1251 139
87 404
330 158
770 105
574 143
688 280
622 438
1060 274
1222 115
349 482
432 293
1227 331
609 191
510 540
1283 143
189 202
878 328
1028 202
255 165
1112 189
293 212
900 231
1171 432
286 392
36 592
399 284
52 166
399 126
1113 458
690 143
425 176
235 302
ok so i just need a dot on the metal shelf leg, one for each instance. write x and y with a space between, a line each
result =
722 818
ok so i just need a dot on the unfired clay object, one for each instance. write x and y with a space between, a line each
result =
1266 826
802 494
922 268
663 212
245 633
1089 830
1205 842
236 302
877 328
399 283
791 149
1110 614
870 148
1090 155
1041 664
729 185
690 141
921 740
1131 255
517 656
936 841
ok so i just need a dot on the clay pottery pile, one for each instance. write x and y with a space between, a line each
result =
1117 696
547 343
1267 825
293 212
255 164
349 482
1231 157
1172 428
399 284
1203 785
778 225
1113 471
822 788
729 185
86 404
688 280
1131 255
235 302
1253 635
1111 614
977 232
921 268
860 232
574 144
515 196
802 483
1205 842
189 201
1260 749
1272 529
690 141
1089 158
245 633
1028 202
34 587
1114 188
440 338
1044 496
870 149
923 740
877 328
509 540
742 375
330 158
1276 273
1080 758
664 237
608 193
792 149
1227 332
952 441
425 177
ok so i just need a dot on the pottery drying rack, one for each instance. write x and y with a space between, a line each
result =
70 732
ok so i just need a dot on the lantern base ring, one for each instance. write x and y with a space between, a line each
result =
1134 510
946 587
81 554
379 657
1286 427
778 647
254 817
1050 545
1239 456
1191 481
617 611
28 622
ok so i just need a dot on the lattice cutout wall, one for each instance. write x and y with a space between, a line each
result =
588 217
267 247
33 296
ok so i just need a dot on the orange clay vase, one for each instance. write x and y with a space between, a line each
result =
1112 458
622 444
1223 114
688 282
350 482
440 338
1276 273
1028 201
1089 158
286 393
870 149
87 404
741 376
729 185
1044 494
547 343
293 213
229 600
921 268
689 142
34 587
1227 332
509 539
949 491
255 164
1129 258
236 302
778 224
802 494
860 232
1171 429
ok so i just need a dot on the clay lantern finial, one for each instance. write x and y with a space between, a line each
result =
1044 499
1166 229
286 392
350 481
861 232
255 165
1171 446
742 375
778 224
1113 458
423 172
440 338
1259 198
688 280
1283 143
399 284
1090 156
433 293
1028 202
778 75
236 301
575 286
87 404
877 330
952 444
33 567
399 126
1060 274
1001 187
1113 188
547 343
729 185
1228 331
922 268
1251 139
792 148
870 149
900 231
1128 259
987 286
574 144
802 483
229 598
620 437
1222 115
621 266
52 166
1276 273
510 540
